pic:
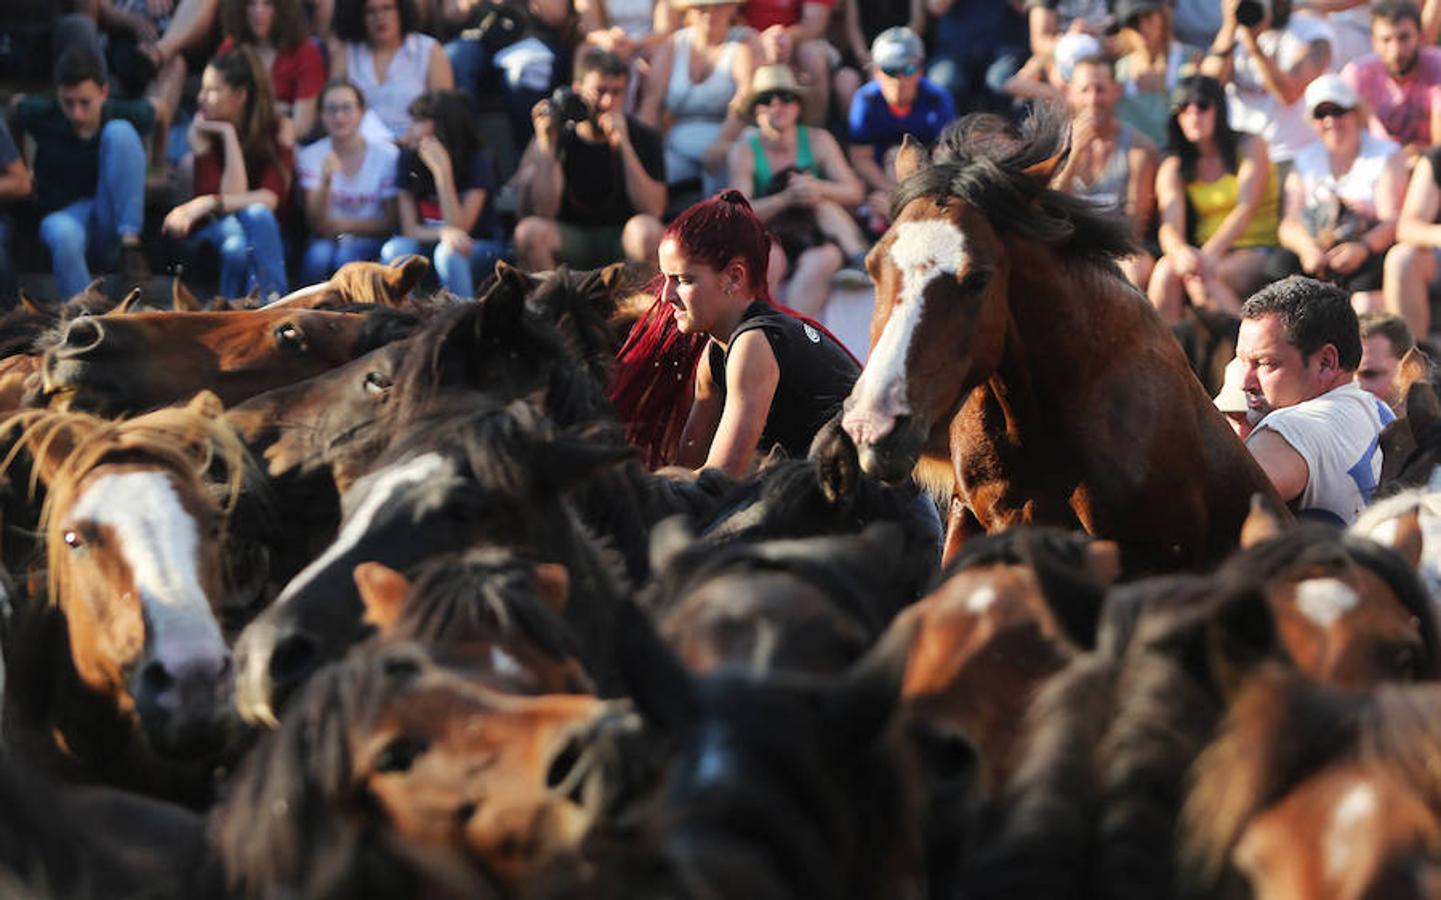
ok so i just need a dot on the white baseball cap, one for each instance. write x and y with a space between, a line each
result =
1329 88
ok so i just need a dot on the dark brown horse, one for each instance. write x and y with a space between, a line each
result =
1014 369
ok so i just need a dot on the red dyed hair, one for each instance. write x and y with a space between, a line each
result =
655 369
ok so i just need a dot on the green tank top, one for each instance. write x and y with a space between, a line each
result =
805 161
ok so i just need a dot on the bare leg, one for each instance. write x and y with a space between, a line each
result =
188 27
1137 269
1368 301
811 282
537 241
1165 291
776 268
1408 273
814 64
641 239
1242 271
165 91
846 83
838 225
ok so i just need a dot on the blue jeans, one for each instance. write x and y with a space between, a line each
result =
93 226
251 253
324 255
456 273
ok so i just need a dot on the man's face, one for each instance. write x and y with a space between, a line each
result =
899 86
602 93
82 105
1276 374
1397 43
1092 90
1377 372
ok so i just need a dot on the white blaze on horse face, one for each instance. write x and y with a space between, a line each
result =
1324 600
923 251
160 542
1352 820
981 600
384 486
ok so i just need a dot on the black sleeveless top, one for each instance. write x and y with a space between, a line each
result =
816 375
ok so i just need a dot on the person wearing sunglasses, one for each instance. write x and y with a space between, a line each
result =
1218 197
898 100
1342 199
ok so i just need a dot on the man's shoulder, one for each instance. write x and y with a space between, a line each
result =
1347 404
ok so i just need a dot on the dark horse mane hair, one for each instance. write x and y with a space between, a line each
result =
1318 544
21 331
579 305
297 821
462 596
990 173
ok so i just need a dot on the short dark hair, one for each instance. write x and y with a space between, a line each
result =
1099 60
1313 313
1391 327
78 65
594 59
1396 11
344 84
349 22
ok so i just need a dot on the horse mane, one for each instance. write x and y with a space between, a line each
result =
21 331
990 173
487 589
295 818
579 305
184 440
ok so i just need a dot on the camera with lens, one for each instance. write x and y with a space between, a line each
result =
568 107
1250 12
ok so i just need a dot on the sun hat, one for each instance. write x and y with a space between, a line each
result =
773 78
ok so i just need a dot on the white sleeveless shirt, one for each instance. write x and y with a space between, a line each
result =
405 79
1354 189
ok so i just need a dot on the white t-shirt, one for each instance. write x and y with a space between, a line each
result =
1338 435
360 197
1255 110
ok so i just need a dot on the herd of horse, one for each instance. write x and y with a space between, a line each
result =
364 594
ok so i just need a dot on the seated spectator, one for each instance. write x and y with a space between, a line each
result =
349 185
1400 82
15 183
1342 199
696 83
1317 434
379 51
1050 20
896 102
591 189
446 184
626 28
976 48
859 26
242 177
1111 163
1266 68
793 32
1385 339
1150 67
1044 78
275 30
89 171
1411 265
801 187
1218 198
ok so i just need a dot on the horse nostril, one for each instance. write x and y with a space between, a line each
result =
83 336
292 658
155 679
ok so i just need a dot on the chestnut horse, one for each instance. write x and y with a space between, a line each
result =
1017 372
126 665
112 365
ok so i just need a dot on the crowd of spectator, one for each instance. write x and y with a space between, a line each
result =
276 140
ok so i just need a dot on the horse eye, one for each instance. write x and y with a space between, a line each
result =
377 383
400 754
73 540
289 333
976 280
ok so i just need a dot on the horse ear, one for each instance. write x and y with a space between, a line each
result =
402 279
864 702
181 300
207 405
1046 168
382 591
663 690
1415 365
29 305
1405 536
504 302
552 582
1103 561
220 304
612 275
128 304
910 158
1239 634
1423 410
670 538
1263 522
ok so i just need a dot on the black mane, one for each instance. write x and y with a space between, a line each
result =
987 170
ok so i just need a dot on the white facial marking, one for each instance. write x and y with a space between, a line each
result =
1324 600
981 600
386 483
159 541
923 251
1385 533
1352 818
503 663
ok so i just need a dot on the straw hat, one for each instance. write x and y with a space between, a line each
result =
773 77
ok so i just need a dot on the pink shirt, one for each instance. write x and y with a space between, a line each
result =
1401 110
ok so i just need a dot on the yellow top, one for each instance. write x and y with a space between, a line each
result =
1212 201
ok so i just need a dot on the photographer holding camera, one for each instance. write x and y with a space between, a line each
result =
591 186
1266 57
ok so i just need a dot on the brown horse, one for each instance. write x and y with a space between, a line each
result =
126 665
140 361
362 282
1017 372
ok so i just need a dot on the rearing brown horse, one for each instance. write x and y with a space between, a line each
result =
1014 368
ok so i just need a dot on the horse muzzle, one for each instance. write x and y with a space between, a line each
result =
185 705
890 456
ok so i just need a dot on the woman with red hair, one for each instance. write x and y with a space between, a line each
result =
762 374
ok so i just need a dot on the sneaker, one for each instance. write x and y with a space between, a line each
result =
134 267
